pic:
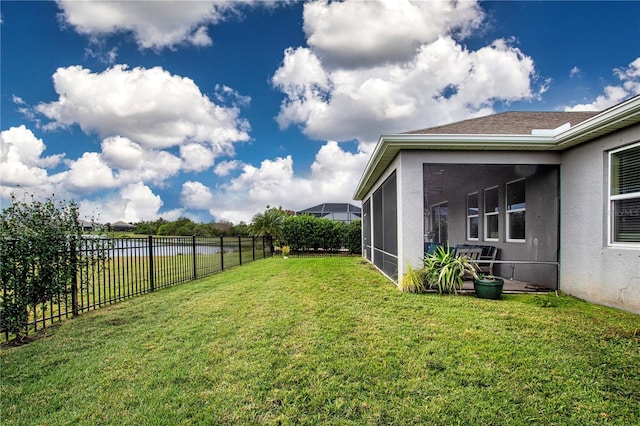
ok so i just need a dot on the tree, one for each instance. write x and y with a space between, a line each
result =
150 227
38 241
269 224
240 229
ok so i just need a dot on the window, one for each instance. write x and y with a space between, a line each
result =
472 216
516 207
624 195
491 212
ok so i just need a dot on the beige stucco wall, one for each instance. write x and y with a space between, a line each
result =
592 269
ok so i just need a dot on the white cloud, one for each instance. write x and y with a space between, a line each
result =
575 71
227 95
154 24
121 162
148 106
196 195
613 94
378 67
388 66
225 167
89 173
140 202
21 160
155 167
133 203
334 175
122 153
443 82
197 157
630 76
133 163
336 172
367 33
98 51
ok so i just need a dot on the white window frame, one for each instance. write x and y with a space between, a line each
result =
471 216
613 198
492 213
509 212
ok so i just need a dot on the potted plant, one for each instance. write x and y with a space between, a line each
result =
285 251
487 286
446 271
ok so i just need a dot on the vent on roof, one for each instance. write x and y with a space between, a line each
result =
551 132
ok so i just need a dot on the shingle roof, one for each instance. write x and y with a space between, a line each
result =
509 123
122 224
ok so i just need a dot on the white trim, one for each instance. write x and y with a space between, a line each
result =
508 213
485 214
470 216
612 198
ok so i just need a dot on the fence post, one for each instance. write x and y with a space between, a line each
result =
253 247
152 278
240 249
222 253
264 251
74 279
193 243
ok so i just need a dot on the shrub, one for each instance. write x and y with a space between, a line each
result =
39 257
413 280
446 271
306 232
354 237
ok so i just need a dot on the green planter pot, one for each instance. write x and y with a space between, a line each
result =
488 288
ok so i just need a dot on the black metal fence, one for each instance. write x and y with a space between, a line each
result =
117 269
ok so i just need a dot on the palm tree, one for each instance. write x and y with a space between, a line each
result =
269 224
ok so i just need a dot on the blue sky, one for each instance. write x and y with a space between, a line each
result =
214 109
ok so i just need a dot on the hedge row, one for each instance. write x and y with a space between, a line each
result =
306 232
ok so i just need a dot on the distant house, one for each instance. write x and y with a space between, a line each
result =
558 193
88 226
121 226
338 212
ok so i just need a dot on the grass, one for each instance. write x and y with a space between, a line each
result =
327 341
118 278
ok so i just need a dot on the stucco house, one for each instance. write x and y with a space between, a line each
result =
556 193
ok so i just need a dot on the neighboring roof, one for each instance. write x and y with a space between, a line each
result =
326 208
556 138
509 123
122 224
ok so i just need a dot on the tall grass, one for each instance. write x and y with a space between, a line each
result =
327 341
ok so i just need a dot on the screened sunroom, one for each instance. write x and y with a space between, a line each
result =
555 193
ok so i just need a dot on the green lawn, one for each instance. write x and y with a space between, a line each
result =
327 341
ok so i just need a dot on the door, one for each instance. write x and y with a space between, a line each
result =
440 224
